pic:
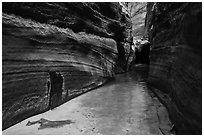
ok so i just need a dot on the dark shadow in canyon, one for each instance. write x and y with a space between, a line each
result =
56 89
44 123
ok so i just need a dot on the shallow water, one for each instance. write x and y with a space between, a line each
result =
123 106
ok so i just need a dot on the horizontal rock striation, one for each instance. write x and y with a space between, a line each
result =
104 19
175 31
53 52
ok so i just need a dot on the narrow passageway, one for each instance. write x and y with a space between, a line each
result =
123 106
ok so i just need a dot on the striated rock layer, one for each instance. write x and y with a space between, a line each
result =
53 52
104 19
175 31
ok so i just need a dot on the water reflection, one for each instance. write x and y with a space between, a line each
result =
122 106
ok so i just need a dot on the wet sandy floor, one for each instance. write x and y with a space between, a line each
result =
123 106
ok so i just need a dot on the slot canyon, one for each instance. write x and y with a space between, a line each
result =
110 68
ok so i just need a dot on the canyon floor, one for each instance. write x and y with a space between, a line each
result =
121 107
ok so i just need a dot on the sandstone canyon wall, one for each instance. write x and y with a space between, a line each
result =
175 31
53 52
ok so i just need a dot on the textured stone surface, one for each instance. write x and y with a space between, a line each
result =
123 106
175 31
42 42
104 19
137 14
136 11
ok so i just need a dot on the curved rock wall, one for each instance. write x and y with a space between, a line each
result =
104 19
53 52
175 31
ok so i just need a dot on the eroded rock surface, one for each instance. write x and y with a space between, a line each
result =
175 31
61 48
124 106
